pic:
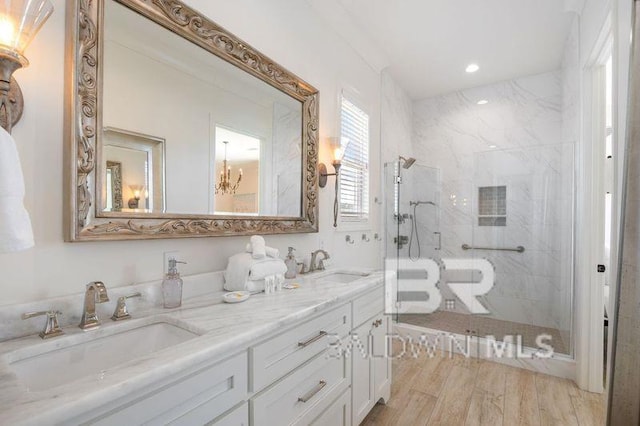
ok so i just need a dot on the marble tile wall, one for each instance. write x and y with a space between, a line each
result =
287 167
516 140
396 131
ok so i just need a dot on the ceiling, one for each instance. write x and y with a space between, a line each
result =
429 43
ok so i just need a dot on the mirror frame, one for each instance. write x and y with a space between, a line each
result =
83 124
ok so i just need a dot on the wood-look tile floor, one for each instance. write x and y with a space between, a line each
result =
461 391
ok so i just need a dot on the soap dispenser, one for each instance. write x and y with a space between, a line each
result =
291 264
172 286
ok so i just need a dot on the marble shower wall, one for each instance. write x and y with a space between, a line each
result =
396 131
287 167
516 140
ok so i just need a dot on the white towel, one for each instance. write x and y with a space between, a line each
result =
270 251
268 267
242 268
260 285
258 247
15 226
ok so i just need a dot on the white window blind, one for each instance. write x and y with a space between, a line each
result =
354 174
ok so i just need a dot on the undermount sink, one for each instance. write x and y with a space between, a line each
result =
342 277
94 357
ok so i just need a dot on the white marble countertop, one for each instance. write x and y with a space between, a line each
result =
224 329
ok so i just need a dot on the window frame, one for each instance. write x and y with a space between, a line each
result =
360 224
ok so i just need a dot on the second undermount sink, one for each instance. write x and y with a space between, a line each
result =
94 357
342 277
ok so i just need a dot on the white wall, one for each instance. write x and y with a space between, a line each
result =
138 99
288 32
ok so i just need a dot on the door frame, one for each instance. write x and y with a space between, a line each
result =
589 328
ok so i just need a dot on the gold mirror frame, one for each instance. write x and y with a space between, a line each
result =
83 120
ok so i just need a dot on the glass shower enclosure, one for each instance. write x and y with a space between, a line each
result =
514 212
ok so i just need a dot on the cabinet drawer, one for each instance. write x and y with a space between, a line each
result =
278 356
237 417
311 388
195 399
368 305
337 414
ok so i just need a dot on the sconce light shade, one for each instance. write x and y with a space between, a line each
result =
137 191
337 150
20 20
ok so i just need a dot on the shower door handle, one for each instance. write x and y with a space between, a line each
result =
439 240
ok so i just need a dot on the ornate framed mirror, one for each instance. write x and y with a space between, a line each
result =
234 149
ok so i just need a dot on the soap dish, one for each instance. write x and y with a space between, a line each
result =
291 286
236 296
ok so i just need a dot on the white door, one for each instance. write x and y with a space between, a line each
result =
362 375
381 363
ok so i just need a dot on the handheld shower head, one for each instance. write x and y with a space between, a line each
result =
408 162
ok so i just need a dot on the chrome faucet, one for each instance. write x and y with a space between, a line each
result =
96 293
319 266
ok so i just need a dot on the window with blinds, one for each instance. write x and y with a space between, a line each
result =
354 173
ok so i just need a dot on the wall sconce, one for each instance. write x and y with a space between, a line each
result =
20 20
338 153
137 190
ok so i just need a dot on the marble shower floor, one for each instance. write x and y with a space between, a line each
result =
453 322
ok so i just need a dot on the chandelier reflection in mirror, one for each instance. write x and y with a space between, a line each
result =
224 186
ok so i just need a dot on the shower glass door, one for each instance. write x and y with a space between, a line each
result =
412 217
522 224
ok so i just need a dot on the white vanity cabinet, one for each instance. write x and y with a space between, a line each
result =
312 376
291 377
198 397
371 368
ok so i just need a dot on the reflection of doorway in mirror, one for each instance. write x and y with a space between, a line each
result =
141 174
114 186
236 172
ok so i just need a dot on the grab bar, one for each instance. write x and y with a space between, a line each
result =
519 249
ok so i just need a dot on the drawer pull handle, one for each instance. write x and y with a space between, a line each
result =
313 339
313 391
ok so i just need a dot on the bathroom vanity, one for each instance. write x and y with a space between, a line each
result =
313 355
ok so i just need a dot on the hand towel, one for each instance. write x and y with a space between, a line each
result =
260 270
242 268
15 226
270 251
258 247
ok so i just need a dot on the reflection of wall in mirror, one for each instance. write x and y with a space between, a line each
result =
287 164
187 135
137 97
248 191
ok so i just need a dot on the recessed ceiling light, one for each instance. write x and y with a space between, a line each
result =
493 146
483 102
472 68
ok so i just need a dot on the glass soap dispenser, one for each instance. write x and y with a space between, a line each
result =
172 286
